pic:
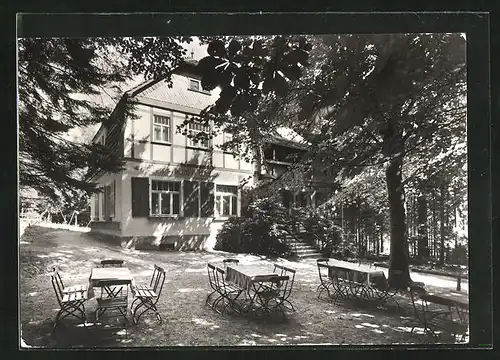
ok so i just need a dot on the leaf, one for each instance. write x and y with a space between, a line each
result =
209 63
233 47
241 80
216 48
210 80
226 97
280 85
240 105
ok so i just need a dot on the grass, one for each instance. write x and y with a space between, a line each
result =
186 319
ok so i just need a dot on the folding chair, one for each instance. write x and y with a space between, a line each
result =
214 285
435 317
273 298
230 261
72 303
285 271
112 291
325 282
148 296
68 289
228 291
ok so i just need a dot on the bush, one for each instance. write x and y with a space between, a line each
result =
321 222
261 232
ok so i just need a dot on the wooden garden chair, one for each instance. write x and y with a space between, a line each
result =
70 303
68 289
325 283
214 285
112 291
285 292
148 296
229 292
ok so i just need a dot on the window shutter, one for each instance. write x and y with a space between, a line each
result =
106 202
207 199
190 198
140 197
113 198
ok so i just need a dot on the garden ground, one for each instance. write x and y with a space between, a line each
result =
186 319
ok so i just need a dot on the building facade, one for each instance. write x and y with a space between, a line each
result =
173 192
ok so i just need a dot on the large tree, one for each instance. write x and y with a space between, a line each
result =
377 99
59 83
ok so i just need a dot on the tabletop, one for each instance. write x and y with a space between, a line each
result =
118 275
246 275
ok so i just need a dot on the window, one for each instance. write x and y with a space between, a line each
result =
165 197
161 128
194 129
96 207
109 201
226 200
194 85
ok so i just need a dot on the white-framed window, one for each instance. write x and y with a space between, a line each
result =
109 201
162 128
226 200
194 128
95 215
165 197
194 85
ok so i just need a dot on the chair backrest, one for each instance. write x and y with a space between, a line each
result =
230 260
55 271
220 278
323 269
418 303
112 263
285 271
57 285
212 277
283 285
158 280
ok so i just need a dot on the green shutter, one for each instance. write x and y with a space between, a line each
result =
140 197
207 199
191 198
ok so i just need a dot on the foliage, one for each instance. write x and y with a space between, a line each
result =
59 83
376 99
261 232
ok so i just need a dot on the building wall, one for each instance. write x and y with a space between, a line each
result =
103 225
161 229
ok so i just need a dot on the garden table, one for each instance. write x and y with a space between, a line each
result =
258 284
105 278
359 279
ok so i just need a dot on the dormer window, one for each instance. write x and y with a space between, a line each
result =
195 85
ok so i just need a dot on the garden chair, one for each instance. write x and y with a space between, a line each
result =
325 282
273 298
112 263
112 291
68 289
148 296
71 303
229 292
285 271
214 285
435 318
230 261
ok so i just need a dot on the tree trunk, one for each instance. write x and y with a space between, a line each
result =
442 224
399 274
423 240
